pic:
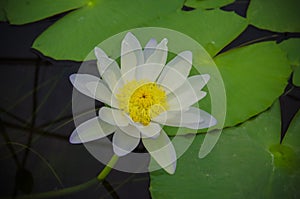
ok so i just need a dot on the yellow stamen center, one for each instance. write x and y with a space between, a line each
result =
142 100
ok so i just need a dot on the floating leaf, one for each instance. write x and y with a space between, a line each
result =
275 15
247 162
296 76
206 27
2 11
80 31
207 4
254 76
292 48
26 11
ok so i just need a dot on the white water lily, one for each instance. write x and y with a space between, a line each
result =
142 95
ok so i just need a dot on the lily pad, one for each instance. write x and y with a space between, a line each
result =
2 11
292 48
27 11
275 15
81 30
247 162
206 27
254 76
296 76
207 4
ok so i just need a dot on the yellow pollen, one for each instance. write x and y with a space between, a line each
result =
142 100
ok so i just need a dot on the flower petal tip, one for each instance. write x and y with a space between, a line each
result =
151 43
171 168
74 138
128 35
206 78
99 53
72 78
186 56
213 121
165 41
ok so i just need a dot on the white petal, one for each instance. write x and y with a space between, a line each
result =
99 53
208 121
131 56
149 48
182 102
188 93
103 61
162 150
193 118
152 130
210 140
131 130
148 71
112 77
160 54
176 71
100 92
123 143
197 82
79 81
180 118
90 130
113 116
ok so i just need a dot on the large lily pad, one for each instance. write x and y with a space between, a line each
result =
81 30
248 162
296 76
207 4
26 11
254 76
2 11
206 27
292 48
275 15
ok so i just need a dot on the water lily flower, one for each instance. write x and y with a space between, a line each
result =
142 96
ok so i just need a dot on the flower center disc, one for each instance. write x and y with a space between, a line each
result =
142 100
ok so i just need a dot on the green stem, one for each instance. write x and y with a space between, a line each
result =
75 188
108 167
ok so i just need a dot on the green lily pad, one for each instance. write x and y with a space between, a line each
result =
275 15
296 76
254 76
247 162
207 4
81 30
292 48
2 11
206 27
27 11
